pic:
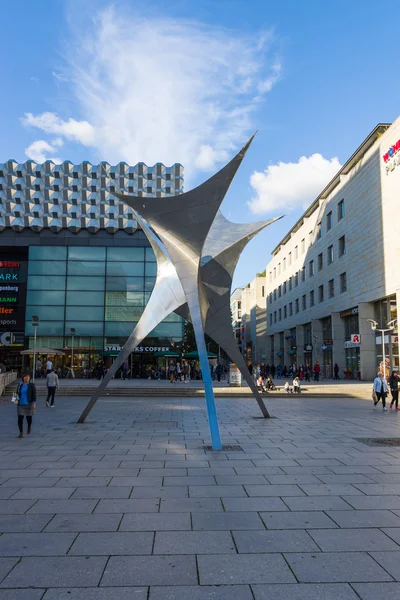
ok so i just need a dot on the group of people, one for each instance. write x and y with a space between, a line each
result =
381 387
302 372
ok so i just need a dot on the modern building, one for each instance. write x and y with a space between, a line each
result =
249 319
338 268
72 255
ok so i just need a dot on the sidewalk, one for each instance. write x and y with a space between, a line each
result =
132 505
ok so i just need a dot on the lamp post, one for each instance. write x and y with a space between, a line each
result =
390 326
35 324
72 330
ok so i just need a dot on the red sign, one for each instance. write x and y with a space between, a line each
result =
355 338
392 150
10 264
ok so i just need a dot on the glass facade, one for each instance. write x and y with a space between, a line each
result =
99 291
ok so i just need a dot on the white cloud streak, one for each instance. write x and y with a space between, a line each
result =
288 186
39 150
162 89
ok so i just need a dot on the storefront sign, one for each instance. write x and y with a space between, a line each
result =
355 338
9 264
9 339
235 376
352 344
391 152
328 342
112 348
308 347
392 157
139 349
349 312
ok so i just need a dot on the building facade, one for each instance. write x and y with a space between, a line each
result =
72 255
249 319
337 268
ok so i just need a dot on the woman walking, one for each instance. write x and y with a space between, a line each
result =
394 388
381 390
26 396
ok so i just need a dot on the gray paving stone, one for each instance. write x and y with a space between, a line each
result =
365 518
217 491
40 493
61 571
327 567
291 479
308 503
206 480
273 490
120 472
15 507
253 504
257 471
373 502
346 478
21 594
23 482
201 472
74 482
85 522
156 522
307 591
307 470
226 521
223 592
382 489
6 473
57 472
112 543
35 544
6 564
150 570
51 507
7 492
194 505
23 523
241 480
119 593
378 591
194 542
127 505
243 568
102 492
159 491
352 540
389 561
334 489
248 542
297 520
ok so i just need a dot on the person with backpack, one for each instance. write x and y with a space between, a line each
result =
52 386
394 389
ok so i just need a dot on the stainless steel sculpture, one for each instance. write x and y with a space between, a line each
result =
197 250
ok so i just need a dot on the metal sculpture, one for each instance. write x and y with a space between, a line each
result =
197 250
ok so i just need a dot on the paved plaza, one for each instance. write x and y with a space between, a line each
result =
131 505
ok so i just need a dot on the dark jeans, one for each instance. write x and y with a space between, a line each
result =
21 422
381 396
51 390
316 376
395 398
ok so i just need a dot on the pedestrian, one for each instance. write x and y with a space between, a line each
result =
279 371
301 372
218 372
308 373
381 390
26 399
49 366
125 369
273 371
336 371
186 371
394 388
317 371
296 385
52 386
171 372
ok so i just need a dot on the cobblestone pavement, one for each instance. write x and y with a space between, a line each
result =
132 506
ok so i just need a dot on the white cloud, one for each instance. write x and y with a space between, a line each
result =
161 89
38 151
59 76
77 131
287 186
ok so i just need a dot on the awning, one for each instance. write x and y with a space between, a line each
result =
195 355
43 350
166 354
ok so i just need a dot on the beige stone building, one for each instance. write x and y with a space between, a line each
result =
339 266
249 321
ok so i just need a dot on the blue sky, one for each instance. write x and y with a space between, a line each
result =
189 81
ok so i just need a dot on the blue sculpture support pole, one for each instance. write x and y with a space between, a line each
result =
207 381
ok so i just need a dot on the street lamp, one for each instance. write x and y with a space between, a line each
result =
35 324
72 330
390 326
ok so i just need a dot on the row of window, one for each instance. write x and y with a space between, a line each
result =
288 309
93 175
89 253
329 225
301 275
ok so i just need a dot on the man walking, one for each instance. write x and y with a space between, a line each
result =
317 371
52 385
49 366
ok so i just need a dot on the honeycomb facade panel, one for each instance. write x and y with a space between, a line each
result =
74 197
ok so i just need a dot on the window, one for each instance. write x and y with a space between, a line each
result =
340 211
342 245
303 246
320 261
280 314
263 291
331 288
290 259
290 284
304 302
280 291
319 231
284 287
290 309
296 252
330 255
148 189
297 305
279 268
312 300
311 268
296 280
285 312
270 276
321 293
274 316
284 264
343 283
310 236
270 297
329 221
274 272
270 319
303 274
274 295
